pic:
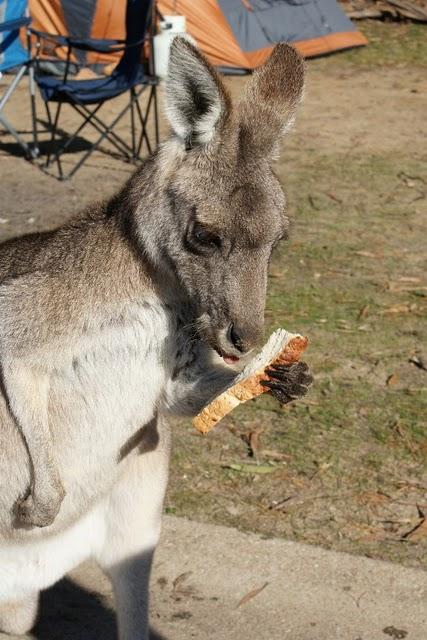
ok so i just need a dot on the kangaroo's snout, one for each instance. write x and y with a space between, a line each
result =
244 336
238 339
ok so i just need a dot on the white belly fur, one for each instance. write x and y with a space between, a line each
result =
114 392
29 567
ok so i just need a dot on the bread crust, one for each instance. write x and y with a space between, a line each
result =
250 387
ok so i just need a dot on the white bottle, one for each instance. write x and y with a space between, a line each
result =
170 27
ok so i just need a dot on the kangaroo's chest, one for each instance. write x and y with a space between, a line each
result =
103 391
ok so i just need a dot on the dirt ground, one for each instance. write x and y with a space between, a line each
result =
346 467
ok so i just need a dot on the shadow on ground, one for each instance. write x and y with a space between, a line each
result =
69 612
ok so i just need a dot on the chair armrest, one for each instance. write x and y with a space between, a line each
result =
97 45
85 44
61 41
13 25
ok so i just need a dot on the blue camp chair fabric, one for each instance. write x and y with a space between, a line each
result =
13 57
13 16
87 95
93 91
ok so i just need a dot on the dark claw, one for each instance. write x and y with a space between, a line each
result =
288 382
300 366
271 384
296 372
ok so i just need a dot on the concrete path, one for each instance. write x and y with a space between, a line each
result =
214 583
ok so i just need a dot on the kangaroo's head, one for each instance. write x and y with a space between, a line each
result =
222 208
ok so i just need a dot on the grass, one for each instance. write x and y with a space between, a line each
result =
348 464
355 450
390 44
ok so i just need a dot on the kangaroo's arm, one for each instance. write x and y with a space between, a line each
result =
26 330
26 390
195 381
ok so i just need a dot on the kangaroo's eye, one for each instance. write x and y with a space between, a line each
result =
205 237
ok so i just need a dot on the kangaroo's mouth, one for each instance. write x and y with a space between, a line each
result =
228 358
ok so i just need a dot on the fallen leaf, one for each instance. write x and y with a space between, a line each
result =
364 311
254 443
408 284
364 327
418 362
397 308
418 532
409 279
367 254
250 468
343 323
372 497
332 196
182 615
276 455
396 634
252 594
177 583
313 203
277 505
407 179
365 532
180 589
392 379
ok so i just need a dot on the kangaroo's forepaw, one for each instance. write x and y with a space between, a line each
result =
35 511
288 382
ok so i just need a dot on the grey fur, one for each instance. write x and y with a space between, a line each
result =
111 323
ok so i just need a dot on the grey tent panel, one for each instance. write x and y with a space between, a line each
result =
272 21
78 15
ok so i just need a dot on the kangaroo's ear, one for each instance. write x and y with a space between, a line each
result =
269 104
196 100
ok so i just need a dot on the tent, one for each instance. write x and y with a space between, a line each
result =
234 34
80 19
241 33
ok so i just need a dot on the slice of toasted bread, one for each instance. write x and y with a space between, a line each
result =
281 348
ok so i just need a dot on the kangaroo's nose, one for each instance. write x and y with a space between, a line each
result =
235 337
243 339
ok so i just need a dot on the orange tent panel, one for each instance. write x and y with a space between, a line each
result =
208 25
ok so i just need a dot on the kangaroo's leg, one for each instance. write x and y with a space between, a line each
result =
17 618
27 393
133 528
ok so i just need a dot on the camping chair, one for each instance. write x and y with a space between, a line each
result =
13 55
87 96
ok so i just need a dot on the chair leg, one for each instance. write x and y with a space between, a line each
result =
143 120
53 127
11 88
86 120
35 151
97 124
132 122
156 115
107 131
6 124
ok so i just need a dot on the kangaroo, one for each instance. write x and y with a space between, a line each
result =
141 309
